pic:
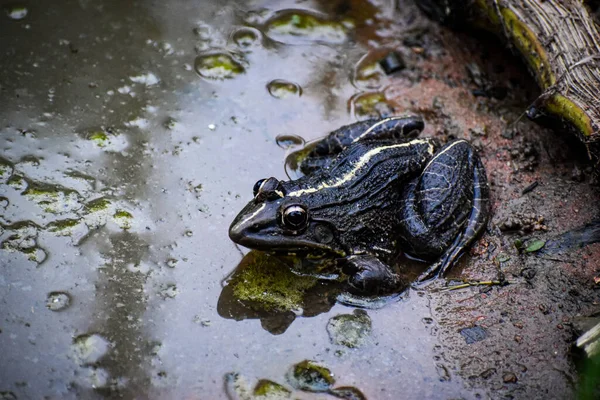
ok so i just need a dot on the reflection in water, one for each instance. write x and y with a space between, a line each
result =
305 376
121 304
263 287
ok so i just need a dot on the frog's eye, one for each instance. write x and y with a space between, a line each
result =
257 186
294 217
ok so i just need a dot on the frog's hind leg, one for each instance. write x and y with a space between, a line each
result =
392 128
446 207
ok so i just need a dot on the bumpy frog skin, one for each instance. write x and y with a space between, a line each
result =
372 190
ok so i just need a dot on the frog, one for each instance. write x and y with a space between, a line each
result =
372 191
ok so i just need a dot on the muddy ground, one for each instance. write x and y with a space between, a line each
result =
131 135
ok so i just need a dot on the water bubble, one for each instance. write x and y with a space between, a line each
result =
246 37
367 74
289 141
4 202
16 12
90 348
58 301
280 89
219 65
172 262
370 105
298 26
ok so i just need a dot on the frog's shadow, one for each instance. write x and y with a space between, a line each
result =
263 287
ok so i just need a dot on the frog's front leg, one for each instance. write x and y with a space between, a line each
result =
368 275
446 207
393 128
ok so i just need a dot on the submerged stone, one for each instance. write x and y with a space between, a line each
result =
269 390
269 284
218 66
293 26
281 89
350 330
311 377
58 301
90 348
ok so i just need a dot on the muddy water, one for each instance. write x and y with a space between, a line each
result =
131 135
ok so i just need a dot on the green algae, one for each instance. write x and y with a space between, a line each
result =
34 254
372 104
266 389
123 219
6 170
310 376
17 182
218 66
281 89
293 25
350 330
53 199
62 227
100 204
270 285
100 138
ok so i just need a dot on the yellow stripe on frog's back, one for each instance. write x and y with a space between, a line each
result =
363 160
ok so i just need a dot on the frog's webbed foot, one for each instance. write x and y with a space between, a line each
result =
369 276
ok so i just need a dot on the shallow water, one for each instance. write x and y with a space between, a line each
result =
132 134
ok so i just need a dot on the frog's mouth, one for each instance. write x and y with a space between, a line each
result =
280 246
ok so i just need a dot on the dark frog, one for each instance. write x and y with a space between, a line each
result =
370 191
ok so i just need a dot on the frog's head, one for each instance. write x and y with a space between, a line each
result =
275 221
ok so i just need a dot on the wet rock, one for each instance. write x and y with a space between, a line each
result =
509 377
58 301
347 393
218 65
90 348
488 373
370 105
299 26
16 11
516 216
281 89
474 334
269 285
310 376
350 330
123 219
269 390
393 62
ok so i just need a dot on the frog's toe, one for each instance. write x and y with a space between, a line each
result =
368 275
